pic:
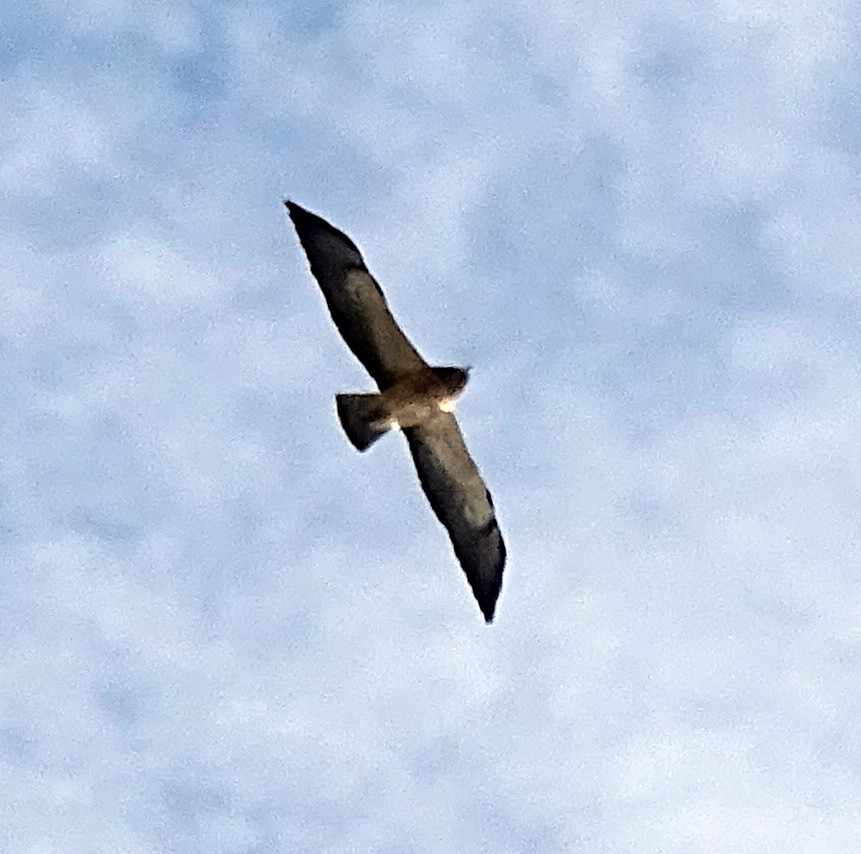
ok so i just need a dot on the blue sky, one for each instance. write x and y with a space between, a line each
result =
224 630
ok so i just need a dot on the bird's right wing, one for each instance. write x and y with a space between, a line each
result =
355 301
453 485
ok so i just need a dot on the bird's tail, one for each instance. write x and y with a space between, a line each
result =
364 417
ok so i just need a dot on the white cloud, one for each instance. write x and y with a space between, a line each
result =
223 630
174 28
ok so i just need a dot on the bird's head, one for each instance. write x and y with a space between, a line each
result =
451 383
452 380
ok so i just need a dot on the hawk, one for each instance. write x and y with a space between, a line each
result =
413 397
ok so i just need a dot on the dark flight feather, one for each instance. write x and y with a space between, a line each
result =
449 477
453 486
355 301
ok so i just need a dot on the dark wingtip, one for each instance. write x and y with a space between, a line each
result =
294 210
488 606
487 593
306 223
297 212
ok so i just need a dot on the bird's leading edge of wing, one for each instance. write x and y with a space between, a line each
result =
355 301
453 485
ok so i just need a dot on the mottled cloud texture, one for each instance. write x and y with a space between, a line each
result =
225 631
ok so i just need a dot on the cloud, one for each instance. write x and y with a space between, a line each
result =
223 630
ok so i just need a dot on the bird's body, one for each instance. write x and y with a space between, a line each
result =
413 396
417 397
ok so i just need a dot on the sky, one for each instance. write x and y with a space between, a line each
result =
224 630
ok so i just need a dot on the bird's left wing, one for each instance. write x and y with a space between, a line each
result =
461 501
355 301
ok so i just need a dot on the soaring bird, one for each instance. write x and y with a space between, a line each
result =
413 396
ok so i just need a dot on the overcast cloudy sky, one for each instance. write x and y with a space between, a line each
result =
223 630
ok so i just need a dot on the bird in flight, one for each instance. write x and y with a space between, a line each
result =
413 396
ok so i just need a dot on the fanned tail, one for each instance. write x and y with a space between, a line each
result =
364 417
